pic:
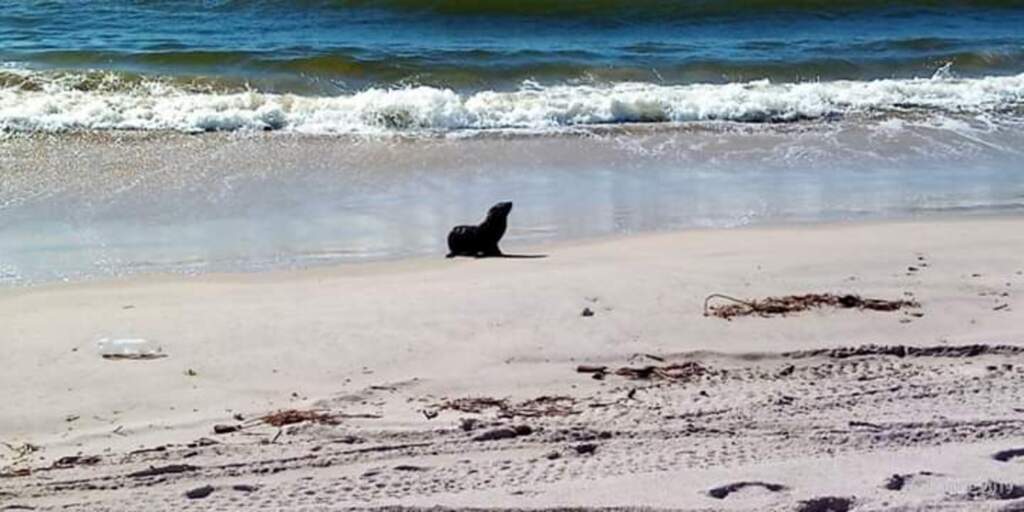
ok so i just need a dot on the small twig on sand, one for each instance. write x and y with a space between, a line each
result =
163 470
161 448
866 424
290 416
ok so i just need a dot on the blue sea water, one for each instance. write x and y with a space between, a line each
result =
349 66
343 46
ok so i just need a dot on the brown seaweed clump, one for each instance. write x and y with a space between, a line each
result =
788 304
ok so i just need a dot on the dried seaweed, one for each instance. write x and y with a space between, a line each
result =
536 407
677 372
292 416
76 460
542 406
474 405
782 306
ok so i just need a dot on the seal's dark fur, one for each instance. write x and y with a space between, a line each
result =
480 240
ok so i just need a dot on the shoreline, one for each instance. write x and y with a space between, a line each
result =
412 263
79 207
390 340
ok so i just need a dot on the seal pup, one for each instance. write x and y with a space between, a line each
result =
481 240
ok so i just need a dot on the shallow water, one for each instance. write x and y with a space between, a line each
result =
190 204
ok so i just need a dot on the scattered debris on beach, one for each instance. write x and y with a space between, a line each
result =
169 469
291 416
536 407
676 372
630 427
474 405
287 417
685 371
76 460
782 306
869 350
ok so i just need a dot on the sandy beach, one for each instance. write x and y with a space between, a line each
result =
457 383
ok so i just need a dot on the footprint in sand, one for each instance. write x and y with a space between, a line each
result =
724 491
897 482
1008 455
826 504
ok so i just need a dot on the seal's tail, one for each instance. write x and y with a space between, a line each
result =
450 255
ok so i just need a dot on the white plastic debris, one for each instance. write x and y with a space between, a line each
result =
129 348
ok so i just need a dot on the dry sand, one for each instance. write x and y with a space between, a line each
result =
781 413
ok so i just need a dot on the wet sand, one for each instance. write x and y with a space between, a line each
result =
750 414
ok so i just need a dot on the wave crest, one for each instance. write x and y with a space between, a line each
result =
62 105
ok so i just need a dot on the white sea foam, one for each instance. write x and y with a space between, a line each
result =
63 105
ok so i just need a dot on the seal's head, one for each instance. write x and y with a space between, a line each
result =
500 210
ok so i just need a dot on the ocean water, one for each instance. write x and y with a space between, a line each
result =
147 134
330 67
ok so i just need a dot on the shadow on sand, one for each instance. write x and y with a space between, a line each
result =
510 256
520 256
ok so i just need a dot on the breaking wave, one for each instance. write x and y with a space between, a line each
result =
85 102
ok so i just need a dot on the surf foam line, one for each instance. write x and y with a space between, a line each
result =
56 106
